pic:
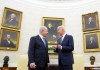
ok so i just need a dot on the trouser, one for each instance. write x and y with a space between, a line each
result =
65 67
38 68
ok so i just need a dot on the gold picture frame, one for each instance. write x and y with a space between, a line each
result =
52 23
9 39
90 21
91 41
12 18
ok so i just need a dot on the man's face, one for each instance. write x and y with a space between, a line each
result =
49 25
8 37
45 32
91 38
13 16
90 19
60 31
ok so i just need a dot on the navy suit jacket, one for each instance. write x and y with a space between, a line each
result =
65 54
37 52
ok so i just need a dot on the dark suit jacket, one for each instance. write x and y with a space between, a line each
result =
65 54
5 43
37 52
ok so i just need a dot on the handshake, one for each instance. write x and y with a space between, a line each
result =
57 46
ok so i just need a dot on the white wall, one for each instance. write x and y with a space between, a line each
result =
32 19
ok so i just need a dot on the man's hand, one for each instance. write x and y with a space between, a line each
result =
59 46
54 46
54 37
48 65
33 65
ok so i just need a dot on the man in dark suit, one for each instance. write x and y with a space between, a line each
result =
12 20
64 48
38 51
7 42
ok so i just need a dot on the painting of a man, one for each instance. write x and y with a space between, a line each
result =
12 21
51 32
7 42
12 18
9 39
90 21
92 41
52 23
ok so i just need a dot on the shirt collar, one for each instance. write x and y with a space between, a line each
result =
63 36
8 40
41 36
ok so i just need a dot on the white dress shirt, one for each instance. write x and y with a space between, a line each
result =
8 41
41 36
63 37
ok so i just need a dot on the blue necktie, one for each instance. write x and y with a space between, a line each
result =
44 41
61 39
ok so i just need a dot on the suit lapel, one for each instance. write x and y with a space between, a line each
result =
59 41
8 42
63 39
46 44
41 42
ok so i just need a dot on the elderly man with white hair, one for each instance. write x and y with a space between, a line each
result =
38 58
64 48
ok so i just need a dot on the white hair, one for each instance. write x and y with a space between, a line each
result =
13 14
62 27
42 28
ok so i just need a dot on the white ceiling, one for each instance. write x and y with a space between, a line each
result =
58 0
57 3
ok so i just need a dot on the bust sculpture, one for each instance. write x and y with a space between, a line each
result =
6 59
92 59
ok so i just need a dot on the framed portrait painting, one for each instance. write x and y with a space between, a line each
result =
11 18
9 39
91 41
52 23
90 21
